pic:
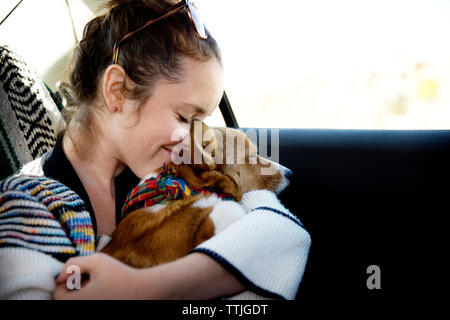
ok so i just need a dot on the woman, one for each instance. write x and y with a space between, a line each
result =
142 71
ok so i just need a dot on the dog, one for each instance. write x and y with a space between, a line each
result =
161 233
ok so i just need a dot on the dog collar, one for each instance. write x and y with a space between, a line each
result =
167 186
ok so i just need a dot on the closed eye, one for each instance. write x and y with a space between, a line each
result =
183 119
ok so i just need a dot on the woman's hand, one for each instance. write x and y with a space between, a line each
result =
108 279
195 276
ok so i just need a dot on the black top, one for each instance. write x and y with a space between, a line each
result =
58 167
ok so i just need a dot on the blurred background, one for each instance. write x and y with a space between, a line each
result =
354 64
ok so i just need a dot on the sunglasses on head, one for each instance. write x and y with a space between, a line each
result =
192 12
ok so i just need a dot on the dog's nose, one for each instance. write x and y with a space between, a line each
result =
288 173
285 171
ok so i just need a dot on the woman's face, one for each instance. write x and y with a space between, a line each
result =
145 146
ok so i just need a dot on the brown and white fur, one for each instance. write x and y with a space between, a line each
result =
163 233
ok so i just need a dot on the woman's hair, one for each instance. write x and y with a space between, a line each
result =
151 54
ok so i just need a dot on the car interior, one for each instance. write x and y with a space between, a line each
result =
367 197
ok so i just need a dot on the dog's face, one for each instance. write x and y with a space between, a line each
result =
232 153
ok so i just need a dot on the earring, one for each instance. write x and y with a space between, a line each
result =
115 109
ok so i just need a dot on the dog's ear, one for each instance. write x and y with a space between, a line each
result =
203 146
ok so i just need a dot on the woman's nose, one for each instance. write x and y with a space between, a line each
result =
180 135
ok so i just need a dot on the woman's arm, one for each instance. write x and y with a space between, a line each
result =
195 276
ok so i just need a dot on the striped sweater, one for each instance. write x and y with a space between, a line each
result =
43 223
42 214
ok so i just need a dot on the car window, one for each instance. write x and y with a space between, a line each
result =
44 33
293 63
335 64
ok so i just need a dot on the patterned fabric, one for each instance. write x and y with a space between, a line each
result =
167 186
42 214
28 115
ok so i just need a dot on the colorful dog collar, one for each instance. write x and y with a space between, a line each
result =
165 187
